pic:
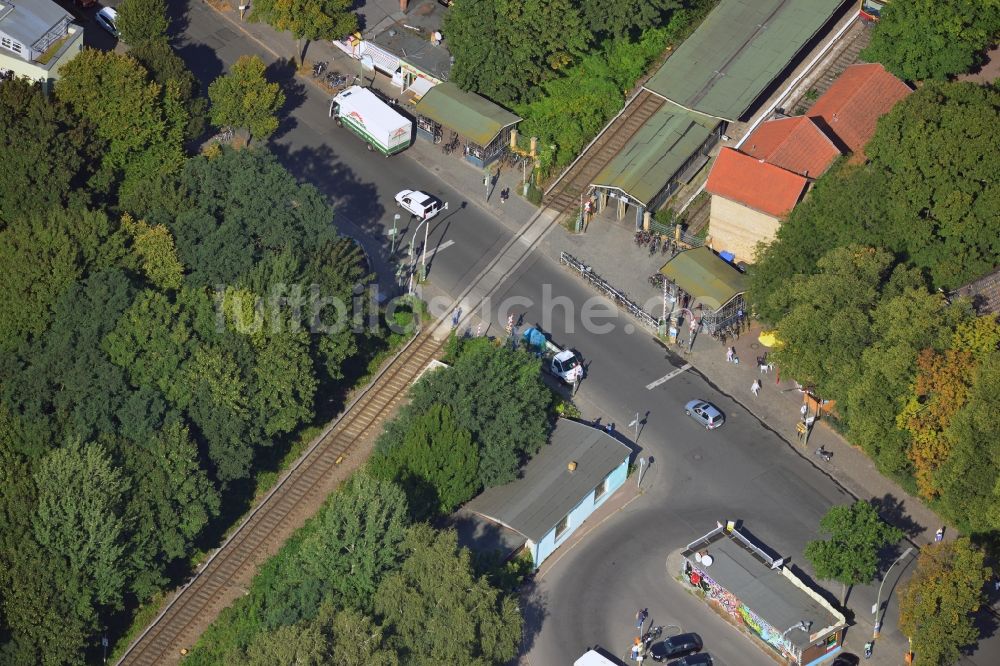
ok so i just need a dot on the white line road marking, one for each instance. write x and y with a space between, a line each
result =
667 377
446 244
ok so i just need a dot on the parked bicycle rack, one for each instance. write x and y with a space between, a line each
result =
620 299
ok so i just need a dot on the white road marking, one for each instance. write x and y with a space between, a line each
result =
440 247
667 377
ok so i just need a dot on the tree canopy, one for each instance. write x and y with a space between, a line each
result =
851 554
245 98
142 21
937 603
307 19
933 39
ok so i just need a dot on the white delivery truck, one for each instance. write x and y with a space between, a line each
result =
381 127
563 363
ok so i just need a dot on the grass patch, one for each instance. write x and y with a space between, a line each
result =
52 50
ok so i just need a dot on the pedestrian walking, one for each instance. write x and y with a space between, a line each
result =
640 617
755 387
456 317
804 411
730 353
939 535
635 649
610 428
504 193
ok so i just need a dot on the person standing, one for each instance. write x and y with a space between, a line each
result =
640 617
939 535
804 410
755 387
729 354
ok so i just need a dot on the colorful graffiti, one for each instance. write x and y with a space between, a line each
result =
739 611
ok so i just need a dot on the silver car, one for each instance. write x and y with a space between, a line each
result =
705 413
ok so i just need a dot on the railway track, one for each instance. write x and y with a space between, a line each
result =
565 193
302 490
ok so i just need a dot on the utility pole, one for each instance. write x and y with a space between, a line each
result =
393 234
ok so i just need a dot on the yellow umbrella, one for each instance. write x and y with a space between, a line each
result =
769 339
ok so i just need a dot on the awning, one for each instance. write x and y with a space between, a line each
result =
705 276
473 117
420 87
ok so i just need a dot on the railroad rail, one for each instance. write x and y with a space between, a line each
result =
565 193
302 490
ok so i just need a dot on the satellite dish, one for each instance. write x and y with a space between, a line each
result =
367 63
707 560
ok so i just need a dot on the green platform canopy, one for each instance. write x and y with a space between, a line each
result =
709 279
737 52
661 147
473 117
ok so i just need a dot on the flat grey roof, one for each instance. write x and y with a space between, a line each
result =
533 504
775 594
28 20
416 50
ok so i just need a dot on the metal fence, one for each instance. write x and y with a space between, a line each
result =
619 298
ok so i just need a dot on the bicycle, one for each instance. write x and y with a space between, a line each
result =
318 69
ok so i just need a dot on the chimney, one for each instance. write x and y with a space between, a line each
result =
403 4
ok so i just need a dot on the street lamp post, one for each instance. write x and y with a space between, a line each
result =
393 234
878 599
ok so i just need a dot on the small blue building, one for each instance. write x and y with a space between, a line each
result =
561 486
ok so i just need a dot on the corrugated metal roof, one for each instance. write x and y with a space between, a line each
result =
467 113
656 152
28 20
738 50
533 504
709 279
755 183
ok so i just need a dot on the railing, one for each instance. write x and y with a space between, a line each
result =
619 298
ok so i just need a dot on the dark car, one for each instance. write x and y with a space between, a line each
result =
846 659
699 659
675 646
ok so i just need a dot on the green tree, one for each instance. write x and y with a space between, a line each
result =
358 538
937 603
850 555
829 327
153 247
622 20
80 516
530 41
498 395
358 641
142 21
441 612
298 644
436 463
141 122
165 67
927 39
307 19
938 152
49 153
45 252
174 502
245 98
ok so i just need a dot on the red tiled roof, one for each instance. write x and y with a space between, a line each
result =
856 100
751 182
794 144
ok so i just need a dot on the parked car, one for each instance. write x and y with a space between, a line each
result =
846 659
697 659
86 4
419 203
676 646
107 18
705 413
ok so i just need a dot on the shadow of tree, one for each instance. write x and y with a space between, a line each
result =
534 610
202 61
893 512
282 72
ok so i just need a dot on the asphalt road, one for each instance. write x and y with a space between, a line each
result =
742 472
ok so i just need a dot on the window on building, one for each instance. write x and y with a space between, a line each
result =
10 45
601 489
562 526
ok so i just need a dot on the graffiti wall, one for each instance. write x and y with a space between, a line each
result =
740 612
